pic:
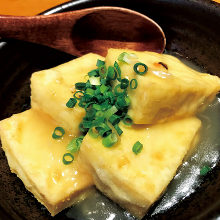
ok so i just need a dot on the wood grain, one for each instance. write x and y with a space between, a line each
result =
89 30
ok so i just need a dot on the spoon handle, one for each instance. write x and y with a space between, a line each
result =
50 30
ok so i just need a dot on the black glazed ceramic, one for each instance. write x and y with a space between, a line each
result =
192 29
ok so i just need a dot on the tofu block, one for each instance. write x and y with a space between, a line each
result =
133 181
36 158
52 88
169 90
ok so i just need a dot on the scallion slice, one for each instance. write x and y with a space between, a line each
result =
111 111
118 129
204 170
133 84
90 91
80 85
127 57
58 133
87 124
103 129
93 132
140 68
114 119
111 74
127 120
71 103
78 95
102 71
103 88
124 83
110 140
94 80
137 147
74 145
68 158
118 91
100 63
118 70
93 73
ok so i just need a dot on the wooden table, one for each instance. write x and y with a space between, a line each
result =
27 7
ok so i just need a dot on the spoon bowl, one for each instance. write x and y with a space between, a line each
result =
88 30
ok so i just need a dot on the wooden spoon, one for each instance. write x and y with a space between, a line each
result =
87 30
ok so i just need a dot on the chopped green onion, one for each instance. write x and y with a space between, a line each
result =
121 56
71 103
103 103
80 139
74 145
90 91
133 84
103 129
93 73
88 106
103 88
99 114
78 95
98 121
94 80
68 158
118 129
127 120
111 74
122 102
137 147
127 100
204 170
103 81
87 124
100 63
80 86
118 90
118 70
111 111
93 132
97 107
140 68
102 71
127 57
114 119
110 140
124 83
58 133
82 129
82 104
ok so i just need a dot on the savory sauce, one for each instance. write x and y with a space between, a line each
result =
27 7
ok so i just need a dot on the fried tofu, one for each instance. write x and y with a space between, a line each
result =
52 88
36 158
169 90
133 181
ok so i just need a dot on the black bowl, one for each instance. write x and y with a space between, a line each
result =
192 29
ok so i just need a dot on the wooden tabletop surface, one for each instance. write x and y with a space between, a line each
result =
30 7
27 7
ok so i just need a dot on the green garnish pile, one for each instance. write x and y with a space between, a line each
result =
106 102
